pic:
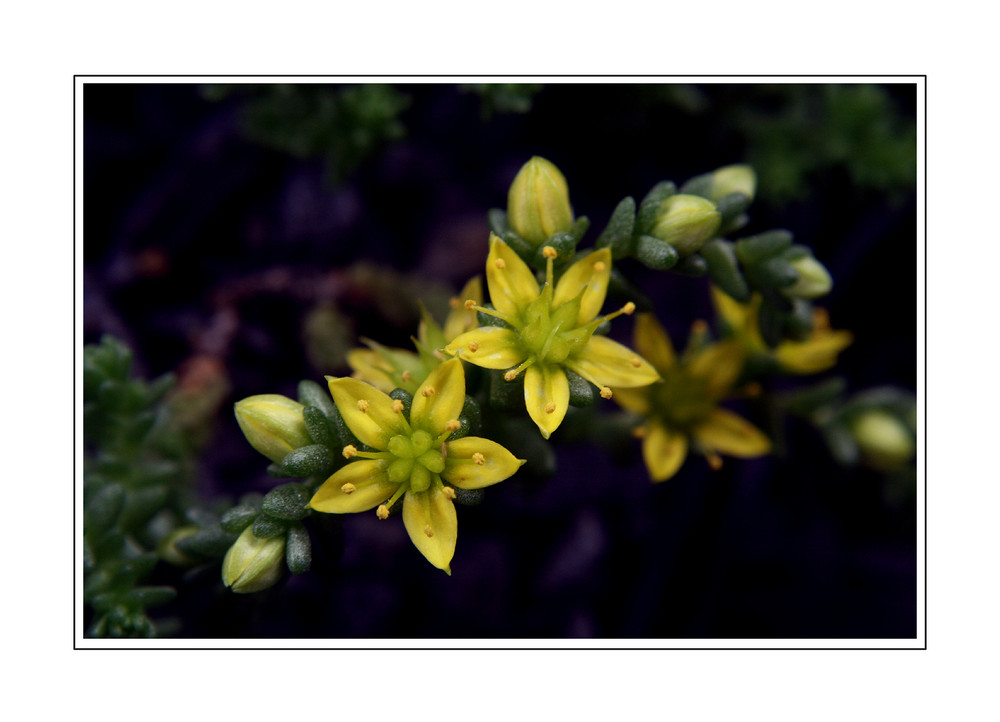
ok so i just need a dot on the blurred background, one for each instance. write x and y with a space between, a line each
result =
243 237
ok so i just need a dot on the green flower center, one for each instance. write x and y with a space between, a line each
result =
682 401
412 459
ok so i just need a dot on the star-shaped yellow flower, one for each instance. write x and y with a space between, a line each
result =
413 459
813 355
396 368
682 411
548 330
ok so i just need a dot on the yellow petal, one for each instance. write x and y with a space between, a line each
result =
462 470
495 347
718 364
440 398
367 412
512 284
653 343
546 396
460 319
608 363
432 511
371 367
634 400
591 273
663 451
729 434
816 354
371 488
734 314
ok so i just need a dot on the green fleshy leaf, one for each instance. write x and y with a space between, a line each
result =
298 550
288 502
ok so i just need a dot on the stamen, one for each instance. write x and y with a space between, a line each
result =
599 266
348 488
382 512
363 406
478 459
428 391
512 374
473 346
350 451
397 406
438 355
636 361
753 389
428 532
453 425
628 309
714 460
448 492
454 302
699 327
500 263
821 319
639 432
550 407
549 252
606 393
356 375
469 304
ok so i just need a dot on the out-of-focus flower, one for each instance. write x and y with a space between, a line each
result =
548 330
814 280
884 439
686 222
273 424
413 459
391 368
682 412
813 355
252 563
733 179
538 202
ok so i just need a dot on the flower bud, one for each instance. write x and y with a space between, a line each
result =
733 179
686 222
538 202
252 563
273 424
814 280
884 440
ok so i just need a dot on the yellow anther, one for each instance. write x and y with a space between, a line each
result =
500 263
348 488
478 459
699 327
397 406
438 355
454 302
599 266
428 532
448 492
606 393
636 361
382 512
407 376
510 376
350 451
356 375
470 304
453 425
639 432
753 389
550 407
821 319
714 461
628 309
549 252
428 391
473 346
363 405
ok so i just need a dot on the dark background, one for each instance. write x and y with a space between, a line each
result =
208 234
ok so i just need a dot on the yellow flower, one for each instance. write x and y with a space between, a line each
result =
413 459
817 353
550 329
391 368
682 411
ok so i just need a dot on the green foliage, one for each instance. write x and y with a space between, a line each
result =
499 98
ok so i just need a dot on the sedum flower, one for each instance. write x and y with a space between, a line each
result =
733 179
391 368
538 202
686 222
682 412
884 439
273 424
817 353
813 281
252 563
413 459
549 330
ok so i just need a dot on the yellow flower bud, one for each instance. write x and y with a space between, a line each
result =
538 202
733 179
884 440
273 424
814 280
253 564
686 222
